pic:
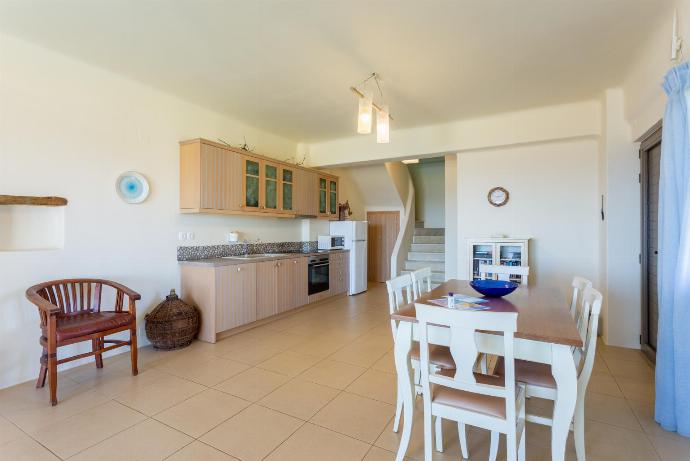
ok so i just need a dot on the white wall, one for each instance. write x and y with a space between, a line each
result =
429 179
368 188
553 199
70 129
451 215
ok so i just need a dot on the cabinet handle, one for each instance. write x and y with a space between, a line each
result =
294 262
262 207
239 269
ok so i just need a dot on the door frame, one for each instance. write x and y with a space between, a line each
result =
649 140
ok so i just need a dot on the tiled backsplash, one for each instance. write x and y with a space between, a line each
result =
190 253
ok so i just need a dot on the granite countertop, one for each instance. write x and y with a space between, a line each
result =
232 261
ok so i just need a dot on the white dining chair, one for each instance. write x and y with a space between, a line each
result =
461 395
539 381
421 281
579 284
400 293
494 271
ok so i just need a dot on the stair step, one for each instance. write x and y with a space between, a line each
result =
429 231
428 247
438 266
436 277
428 239
419 224
421 256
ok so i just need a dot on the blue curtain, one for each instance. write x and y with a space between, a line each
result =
673 343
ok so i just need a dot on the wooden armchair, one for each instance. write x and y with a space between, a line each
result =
70 312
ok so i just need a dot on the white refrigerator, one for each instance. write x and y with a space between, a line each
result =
355 233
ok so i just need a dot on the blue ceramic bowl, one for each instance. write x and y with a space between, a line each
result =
493 288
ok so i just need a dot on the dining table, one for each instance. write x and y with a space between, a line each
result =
546 333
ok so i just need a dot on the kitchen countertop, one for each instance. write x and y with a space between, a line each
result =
216 262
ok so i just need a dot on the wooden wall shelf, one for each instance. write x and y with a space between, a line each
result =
30 200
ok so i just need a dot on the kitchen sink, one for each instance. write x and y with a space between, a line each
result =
255 256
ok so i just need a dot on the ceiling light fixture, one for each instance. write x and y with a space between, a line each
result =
411 161
364 112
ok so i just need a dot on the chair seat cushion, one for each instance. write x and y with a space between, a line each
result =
470 401
71 326
438 355
530 373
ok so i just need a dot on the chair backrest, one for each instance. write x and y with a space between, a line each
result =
494 271
73 295
400 292
579 284
591 302
463 326
421 281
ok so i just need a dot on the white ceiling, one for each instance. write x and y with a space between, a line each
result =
286 66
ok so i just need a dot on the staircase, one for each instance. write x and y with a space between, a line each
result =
427 250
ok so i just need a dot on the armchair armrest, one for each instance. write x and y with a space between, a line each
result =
118 286
45 306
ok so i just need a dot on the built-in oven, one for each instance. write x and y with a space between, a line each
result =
318 270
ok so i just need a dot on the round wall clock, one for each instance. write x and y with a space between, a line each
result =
132 187
498 196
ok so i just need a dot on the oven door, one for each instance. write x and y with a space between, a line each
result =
318 277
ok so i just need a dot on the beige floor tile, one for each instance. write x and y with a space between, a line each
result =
379 454
8 431
385 363
672 448
88 428
610 410
160 395
208 372
376 385
637 389
25 448
600 366
148 440
644 411
361 353
299 398
313 443
320 346
197 451
253 433
253 384
202 412
604 441
604 384
253 354
630 369
289 363
332 373
612 354
111 385
356 416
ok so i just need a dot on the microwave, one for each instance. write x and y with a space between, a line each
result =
331 242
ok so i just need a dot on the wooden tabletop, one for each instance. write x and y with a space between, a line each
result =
542 316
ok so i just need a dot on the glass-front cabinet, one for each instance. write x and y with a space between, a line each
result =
328 197
287 178
252 183
497 251
271 195
333 197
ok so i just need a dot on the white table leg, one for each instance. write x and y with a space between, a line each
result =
401 350
563 369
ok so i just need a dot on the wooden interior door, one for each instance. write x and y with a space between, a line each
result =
382 230
650 158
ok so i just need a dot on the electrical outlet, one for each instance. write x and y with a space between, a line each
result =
190 235
181 236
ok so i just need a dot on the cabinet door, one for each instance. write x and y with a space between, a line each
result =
220 170
284 297
266 292
511 254
333 197
323 196
271 187
287 190
235 296
300 280
480 253
251 181
313 195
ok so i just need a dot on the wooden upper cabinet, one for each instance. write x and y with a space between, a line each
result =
220 179
207 178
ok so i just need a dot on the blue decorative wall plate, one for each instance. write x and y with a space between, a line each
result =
132 187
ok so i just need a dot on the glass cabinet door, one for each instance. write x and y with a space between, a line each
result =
288 185
270 186
510 254
481 254
251 183
333 197
323 197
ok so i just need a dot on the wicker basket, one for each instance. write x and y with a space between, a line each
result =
173 324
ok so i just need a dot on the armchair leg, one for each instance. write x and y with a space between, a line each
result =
52 376
133 350
41 381
96 344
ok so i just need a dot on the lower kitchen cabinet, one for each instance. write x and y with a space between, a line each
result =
231 296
